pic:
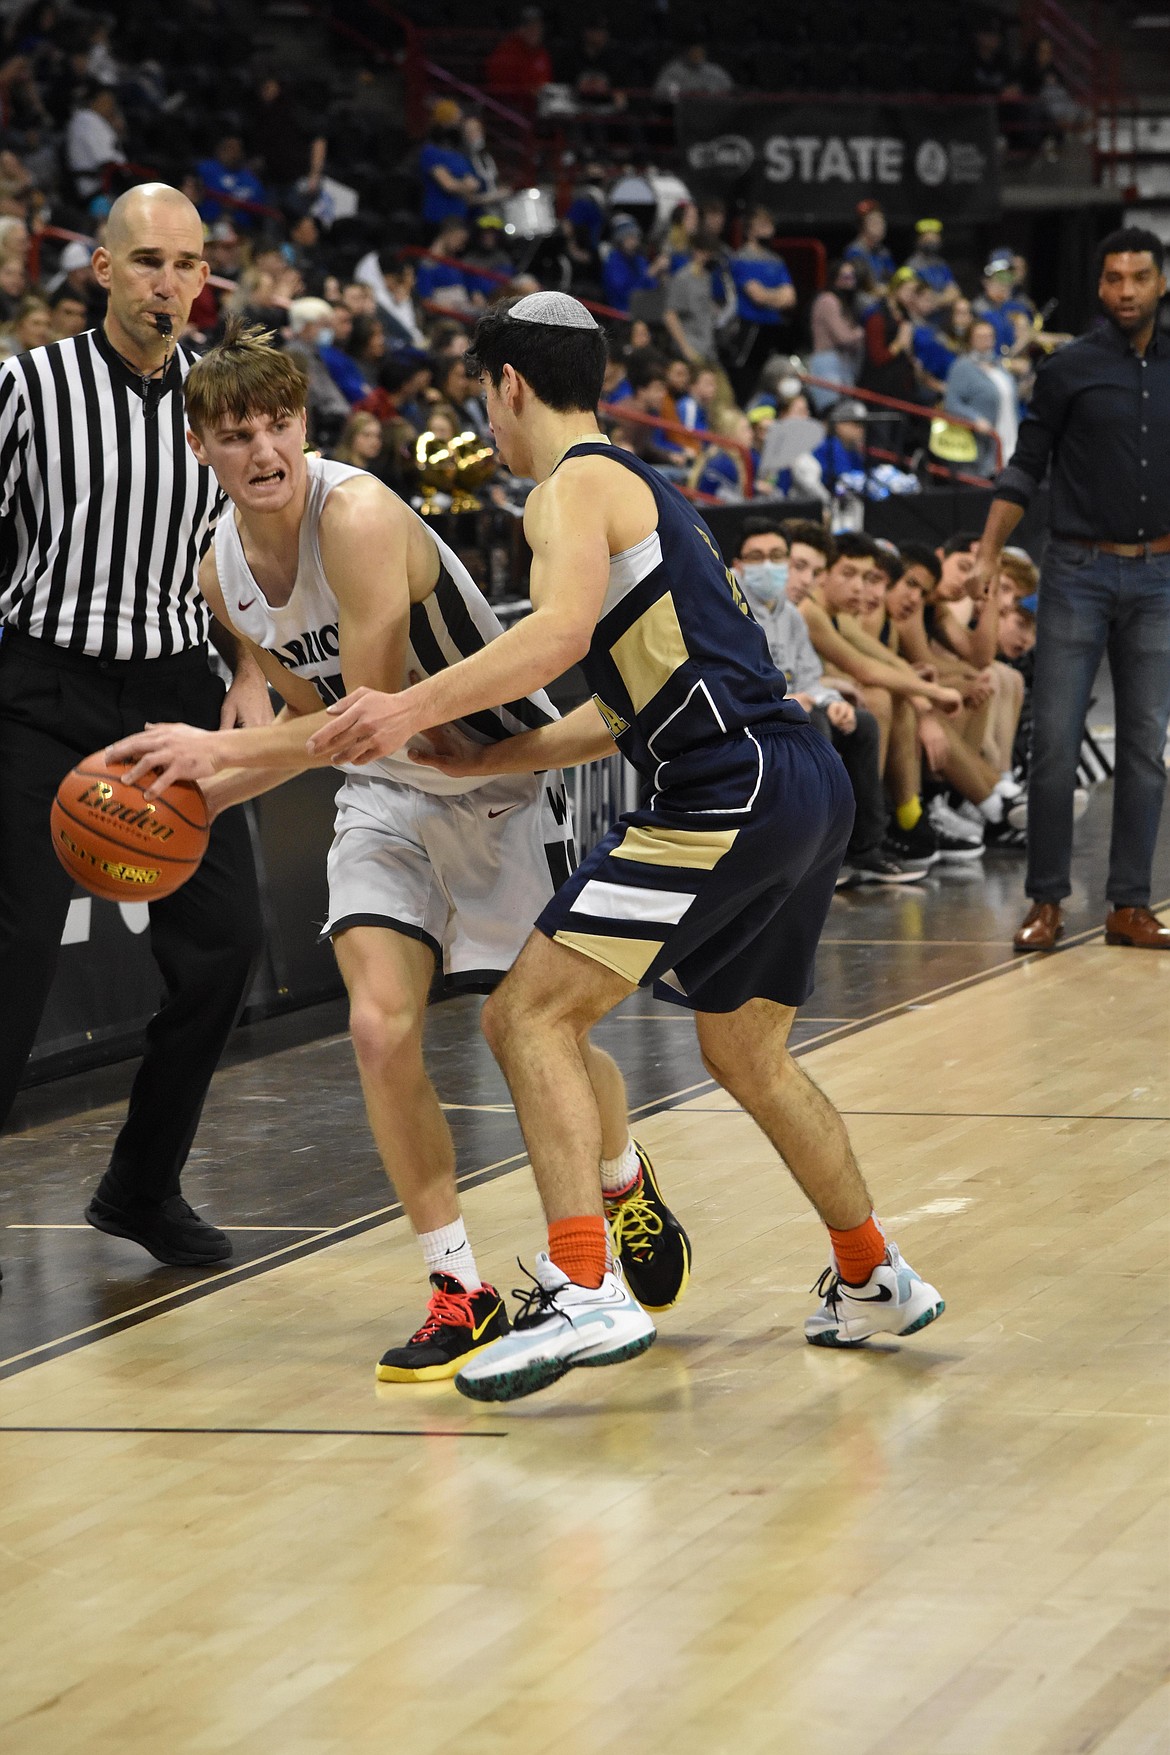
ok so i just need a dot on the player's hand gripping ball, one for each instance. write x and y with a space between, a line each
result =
120 844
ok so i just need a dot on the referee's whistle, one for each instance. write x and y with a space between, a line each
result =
162 322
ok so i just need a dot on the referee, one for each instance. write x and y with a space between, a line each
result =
104 516
1100 415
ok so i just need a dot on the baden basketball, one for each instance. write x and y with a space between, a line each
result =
120 844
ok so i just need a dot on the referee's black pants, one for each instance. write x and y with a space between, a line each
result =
55 707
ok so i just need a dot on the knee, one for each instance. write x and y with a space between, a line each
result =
384 1033
881 704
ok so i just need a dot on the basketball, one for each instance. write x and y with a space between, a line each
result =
120 844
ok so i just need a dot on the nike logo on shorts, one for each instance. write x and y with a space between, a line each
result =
248 605
503 808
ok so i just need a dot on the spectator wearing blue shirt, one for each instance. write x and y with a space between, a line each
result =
868 251
626 269
439 283
765 296
929 264
448 177
226 173
994 307
332 340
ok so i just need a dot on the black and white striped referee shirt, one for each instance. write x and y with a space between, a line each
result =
104 512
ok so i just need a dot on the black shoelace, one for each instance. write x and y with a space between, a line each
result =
535 1301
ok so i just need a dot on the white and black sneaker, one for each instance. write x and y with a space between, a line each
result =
883 866
893 1301
917 846
559 1325
958 839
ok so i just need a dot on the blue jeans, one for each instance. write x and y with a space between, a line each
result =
1091 603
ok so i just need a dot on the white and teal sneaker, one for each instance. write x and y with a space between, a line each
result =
893 1301
558 1326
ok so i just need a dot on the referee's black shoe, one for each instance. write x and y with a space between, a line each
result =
170 1230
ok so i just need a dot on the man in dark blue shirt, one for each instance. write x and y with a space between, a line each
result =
1100 415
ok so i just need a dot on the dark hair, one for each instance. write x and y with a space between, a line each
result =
644 365
918 554
959 542
65 294
399 369
812 535
564 367
758 526
889 560
1133 240
854 545
362 334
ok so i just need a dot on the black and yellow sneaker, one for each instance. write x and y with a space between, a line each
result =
459 1325
654 1249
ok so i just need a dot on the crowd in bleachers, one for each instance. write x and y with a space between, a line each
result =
719 373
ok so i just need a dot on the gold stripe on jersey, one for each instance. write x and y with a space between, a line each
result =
650 651
629 957
691 849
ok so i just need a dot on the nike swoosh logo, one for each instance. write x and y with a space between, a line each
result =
590 1316
479 1328
503 808
883 1295
248 605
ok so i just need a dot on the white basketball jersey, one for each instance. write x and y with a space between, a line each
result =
452 623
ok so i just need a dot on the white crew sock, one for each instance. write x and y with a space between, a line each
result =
991 810
618 1174
447 1251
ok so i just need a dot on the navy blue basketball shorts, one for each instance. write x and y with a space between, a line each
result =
710 902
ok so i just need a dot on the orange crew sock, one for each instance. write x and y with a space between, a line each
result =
858 1251
578 1247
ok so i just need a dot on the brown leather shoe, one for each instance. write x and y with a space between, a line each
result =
1136 927
1041 928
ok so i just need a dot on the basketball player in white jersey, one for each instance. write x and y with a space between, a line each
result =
334 582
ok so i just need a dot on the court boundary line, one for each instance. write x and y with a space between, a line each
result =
207 1287
261 1431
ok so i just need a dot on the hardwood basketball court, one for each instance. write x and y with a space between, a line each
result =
218 1534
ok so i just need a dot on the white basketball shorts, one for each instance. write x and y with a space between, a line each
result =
465 874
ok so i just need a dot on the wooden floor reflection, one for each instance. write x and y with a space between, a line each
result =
219 1534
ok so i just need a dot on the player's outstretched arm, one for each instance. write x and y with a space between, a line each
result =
565 523
581 736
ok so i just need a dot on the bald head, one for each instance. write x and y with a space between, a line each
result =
150 207
151 264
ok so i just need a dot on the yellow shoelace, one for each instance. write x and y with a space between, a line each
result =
634 1226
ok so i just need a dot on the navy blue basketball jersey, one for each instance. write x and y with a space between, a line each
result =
678 665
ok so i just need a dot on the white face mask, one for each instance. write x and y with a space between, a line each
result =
325 336
765 582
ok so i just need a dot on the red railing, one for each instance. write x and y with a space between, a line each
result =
500 278
623 413
918 410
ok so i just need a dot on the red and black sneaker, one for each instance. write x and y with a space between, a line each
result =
459 1325
654 1249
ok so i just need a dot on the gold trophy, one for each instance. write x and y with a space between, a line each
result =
438 469
475 463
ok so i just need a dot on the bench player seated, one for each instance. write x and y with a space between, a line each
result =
334 583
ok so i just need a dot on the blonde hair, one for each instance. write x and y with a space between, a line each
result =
241 376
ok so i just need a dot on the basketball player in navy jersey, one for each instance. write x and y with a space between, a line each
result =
714 892
332 581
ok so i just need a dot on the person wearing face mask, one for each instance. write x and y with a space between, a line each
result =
761 567
310 328
929 264
980 389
